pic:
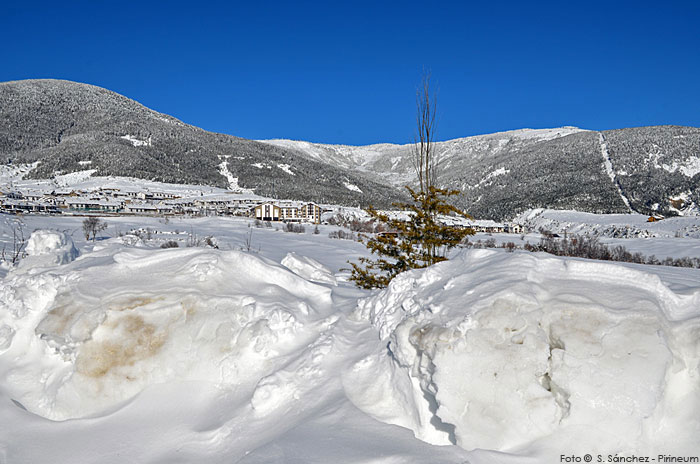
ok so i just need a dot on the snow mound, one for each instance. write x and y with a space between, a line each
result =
49 247
171 316
522 351
308 268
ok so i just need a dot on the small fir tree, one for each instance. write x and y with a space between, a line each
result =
422 239
416 242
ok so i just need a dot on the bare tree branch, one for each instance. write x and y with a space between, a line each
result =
425 160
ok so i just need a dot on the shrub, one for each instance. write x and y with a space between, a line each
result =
92 226
295 228
591 248
341 234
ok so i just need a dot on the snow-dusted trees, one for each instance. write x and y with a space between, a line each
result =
420 239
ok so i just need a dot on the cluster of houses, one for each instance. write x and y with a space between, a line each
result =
118 201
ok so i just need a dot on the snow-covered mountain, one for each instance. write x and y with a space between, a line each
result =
646 169
69 127
393 163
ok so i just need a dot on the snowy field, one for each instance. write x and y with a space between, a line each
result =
610 225
260 351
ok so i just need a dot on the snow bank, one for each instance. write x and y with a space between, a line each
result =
308 268
47 247
205 355
527 352
103 328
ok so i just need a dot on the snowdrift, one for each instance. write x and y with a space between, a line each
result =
97 331
522 352
192 354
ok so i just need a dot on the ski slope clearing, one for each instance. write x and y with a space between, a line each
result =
121 351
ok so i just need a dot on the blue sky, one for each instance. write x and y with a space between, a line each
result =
338 72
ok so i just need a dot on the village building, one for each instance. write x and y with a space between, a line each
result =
16 206
14 195
141 208
148 208
486 225
514 228
288 211
311 212
267 211
93 205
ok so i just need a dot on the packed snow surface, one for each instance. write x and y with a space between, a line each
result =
222 355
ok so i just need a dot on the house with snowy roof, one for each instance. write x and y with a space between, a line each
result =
16 206
93 205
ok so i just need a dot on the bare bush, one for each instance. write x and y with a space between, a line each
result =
357 225
248 241
295 228
591 248
15 251
343 235
193 240
92 226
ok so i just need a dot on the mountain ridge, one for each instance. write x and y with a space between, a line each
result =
480 166
63 124
68 126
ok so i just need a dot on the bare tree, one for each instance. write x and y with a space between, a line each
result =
425 160
92 226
